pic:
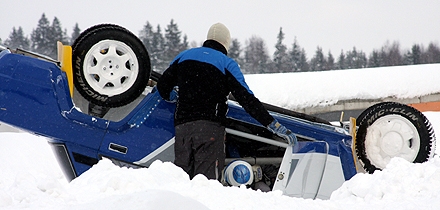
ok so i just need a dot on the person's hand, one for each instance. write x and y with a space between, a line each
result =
174 95
283 132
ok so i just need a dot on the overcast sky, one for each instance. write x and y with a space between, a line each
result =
333 25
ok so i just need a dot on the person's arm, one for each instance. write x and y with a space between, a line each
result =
253 106
248 101
167 82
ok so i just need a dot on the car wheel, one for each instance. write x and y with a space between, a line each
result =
111 65
87 31
393 130
366 111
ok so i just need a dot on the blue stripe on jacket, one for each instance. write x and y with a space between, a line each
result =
216 58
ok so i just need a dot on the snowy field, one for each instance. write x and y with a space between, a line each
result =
30 177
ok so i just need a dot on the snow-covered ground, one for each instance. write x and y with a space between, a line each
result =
30 177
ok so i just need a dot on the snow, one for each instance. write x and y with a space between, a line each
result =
30 177
307 89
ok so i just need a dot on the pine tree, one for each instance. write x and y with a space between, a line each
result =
317 63
355 59
350 59
375 59
44 38
362 60
75 34
185 44
256 56
17 39
341 61
40 38
303 63
407 58
432 54
235 51
55 34
158 61
147 37
295 57
416 53
391 54
330 63
413 56
173 44
280 56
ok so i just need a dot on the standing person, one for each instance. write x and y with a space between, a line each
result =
199 80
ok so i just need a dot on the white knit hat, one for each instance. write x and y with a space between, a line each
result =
218 32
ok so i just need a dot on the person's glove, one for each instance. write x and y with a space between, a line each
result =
283 132
174 95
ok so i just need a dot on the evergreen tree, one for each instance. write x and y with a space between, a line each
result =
296 57
280 56
235 51
303 63
375 59
432 54
17 39
317 63
416 53
158 61
391 55
185 44
350 59
44 38
256 56
330 63
55 34
362 60
147 37
75 34
355 59
413 56
407 58
40 36
341 61
173 43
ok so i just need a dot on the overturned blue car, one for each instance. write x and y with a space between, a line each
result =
98 100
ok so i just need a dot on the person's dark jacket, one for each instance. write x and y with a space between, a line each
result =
205 76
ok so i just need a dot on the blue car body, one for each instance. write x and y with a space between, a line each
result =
34 96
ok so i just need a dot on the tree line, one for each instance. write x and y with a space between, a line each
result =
164 44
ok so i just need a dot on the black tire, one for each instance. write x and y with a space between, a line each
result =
390 130
87 31
368 110
110 64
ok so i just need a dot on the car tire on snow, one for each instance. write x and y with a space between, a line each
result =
111 65
389 130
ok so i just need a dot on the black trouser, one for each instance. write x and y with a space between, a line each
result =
199 148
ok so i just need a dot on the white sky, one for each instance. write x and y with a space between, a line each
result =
333 25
